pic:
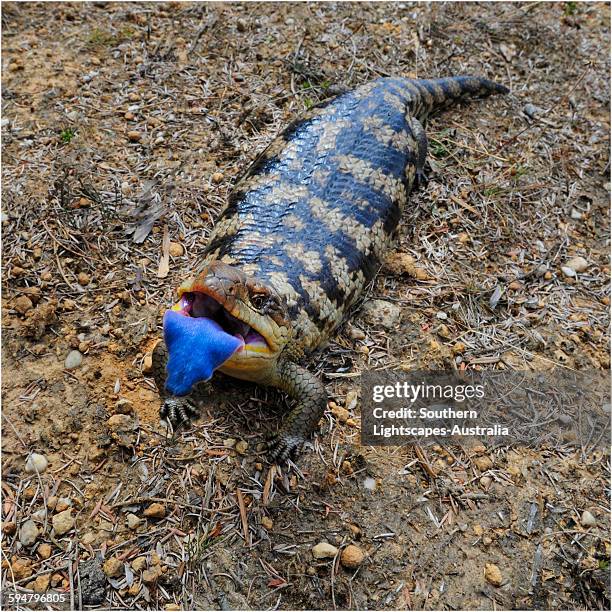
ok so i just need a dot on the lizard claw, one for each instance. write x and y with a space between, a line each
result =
284 446
178 410
421 178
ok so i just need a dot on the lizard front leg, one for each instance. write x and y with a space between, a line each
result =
311 398
175 409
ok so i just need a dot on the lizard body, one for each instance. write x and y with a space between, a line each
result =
305 230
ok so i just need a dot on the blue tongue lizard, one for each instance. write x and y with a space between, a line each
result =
197 346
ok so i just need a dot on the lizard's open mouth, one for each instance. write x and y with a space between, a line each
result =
201 305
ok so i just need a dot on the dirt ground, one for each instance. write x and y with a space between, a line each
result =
124 127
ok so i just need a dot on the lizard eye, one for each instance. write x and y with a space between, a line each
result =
258 301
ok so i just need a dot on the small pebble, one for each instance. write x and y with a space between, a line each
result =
493 574
21 568
86 78
36 463
22 304
458 347
483 463
574 265
267 523
443 331
147 364
565 419
120 422
355 530
88 538
588 520
216 178
342 414
369 483
28 533
56 580
531 110
176 249
63 503
134 590
381 313
441 315
39 516
9 528
352 398
355 333
83 278
155 510
73 360
151 575
63 522
568 271
139 563
486 482
133 521
134 136
124 406
122 429
95 453
241 447
576 214
323 550
44 551
352 557
41 584
113 567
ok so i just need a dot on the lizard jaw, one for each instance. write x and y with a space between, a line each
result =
198 304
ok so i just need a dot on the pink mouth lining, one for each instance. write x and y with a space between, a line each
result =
200 305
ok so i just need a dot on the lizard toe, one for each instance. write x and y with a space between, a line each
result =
178 411
284 446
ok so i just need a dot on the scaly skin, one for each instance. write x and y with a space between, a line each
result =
307 226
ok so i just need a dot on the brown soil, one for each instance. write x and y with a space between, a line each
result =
125 123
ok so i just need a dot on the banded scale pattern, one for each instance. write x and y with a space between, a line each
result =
315 212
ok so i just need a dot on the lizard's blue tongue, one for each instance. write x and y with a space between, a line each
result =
197 346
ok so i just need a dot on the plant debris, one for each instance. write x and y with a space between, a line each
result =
124 128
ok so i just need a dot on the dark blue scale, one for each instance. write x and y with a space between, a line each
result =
341 192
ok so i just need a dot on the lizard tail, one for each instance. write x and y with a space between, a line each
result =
437 94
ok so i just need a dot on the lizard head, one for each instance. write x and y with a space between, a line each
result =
244 307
